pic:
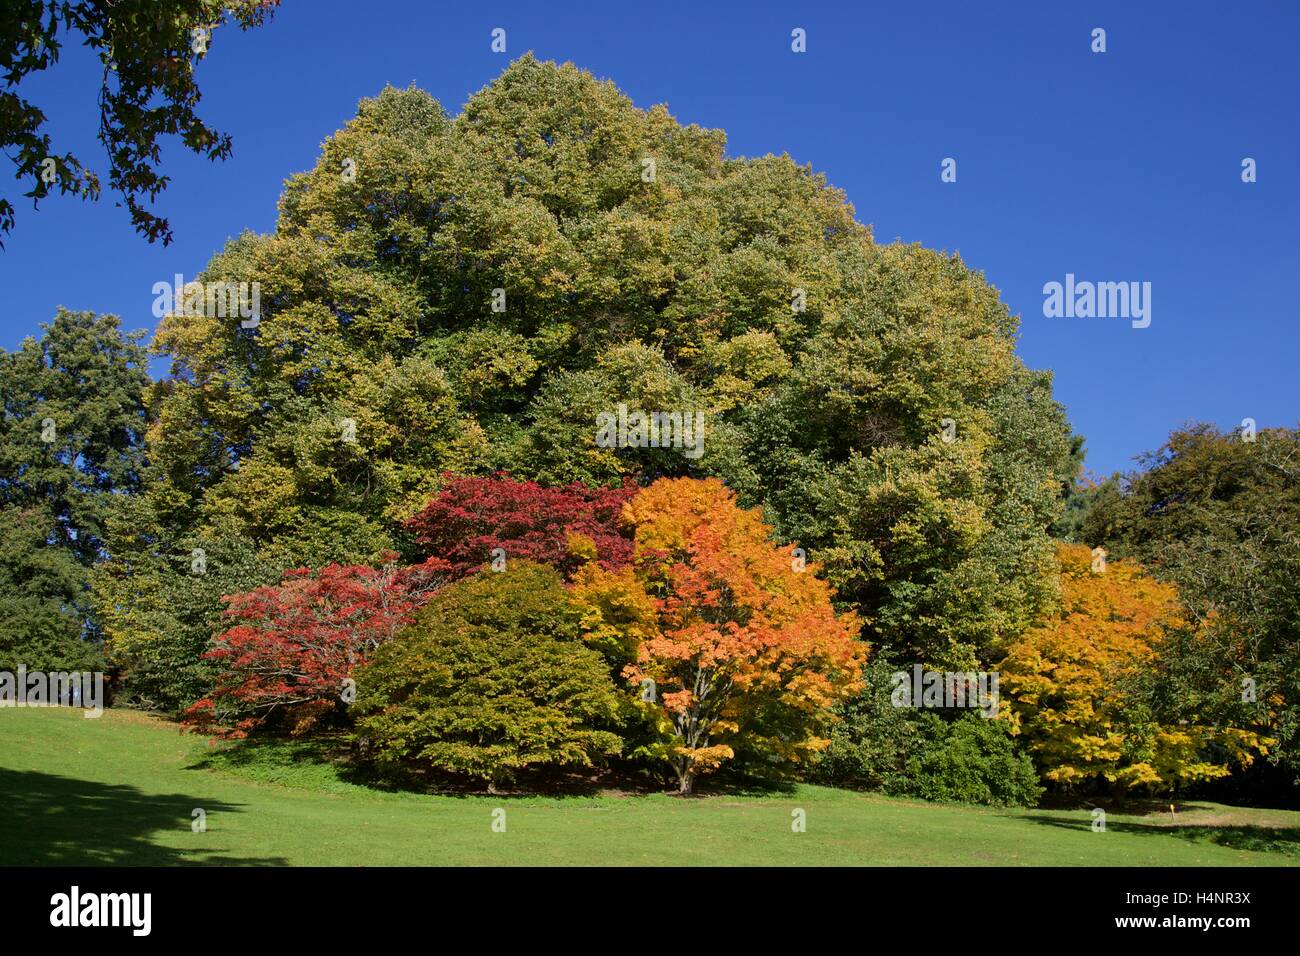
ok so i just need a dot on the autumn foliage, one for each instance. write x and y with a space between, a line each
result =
1074 685
471 517
291 646
731 645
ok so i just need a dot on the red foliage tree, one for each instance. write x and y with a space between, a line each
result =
293 645
470 517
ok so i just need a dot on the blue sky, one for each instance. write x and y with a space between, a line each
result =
1122 166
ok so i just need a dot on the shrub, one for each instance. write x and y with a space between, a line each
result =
491 679
969 760
909 752
872 739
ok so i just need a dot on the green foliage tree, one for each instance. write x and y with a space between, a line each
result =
42 597
148 49
1082 496
472 292
871 740
160 602
491 681
70 433
945 756
1219 516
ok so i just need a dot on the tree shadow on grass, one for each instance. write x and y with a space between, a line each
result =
49 820
1260 839
1137 805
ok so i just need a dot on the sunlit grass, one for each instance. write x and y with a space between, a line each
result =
122 790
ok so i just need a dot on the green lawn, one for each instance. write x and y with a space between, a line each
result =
121 789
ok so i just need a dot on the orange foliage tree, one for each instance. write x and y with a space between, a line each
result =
728 643
1079 685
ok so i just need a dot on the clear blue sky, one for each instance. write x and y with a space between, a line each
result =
1122 166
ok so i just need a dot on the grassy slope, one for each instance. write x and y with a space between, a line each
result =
121 789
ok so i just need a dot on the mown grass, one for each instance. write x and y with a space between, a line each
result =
121 790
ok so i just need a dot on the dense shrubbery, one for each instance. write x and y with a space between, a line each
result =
724 650
872 739
492 680
965 758
968 760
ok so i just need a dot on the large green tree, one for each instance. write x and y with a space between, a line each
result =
42 597
70 442
472 293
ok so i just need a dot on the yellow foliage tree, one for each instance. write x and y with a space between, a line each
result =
1074 685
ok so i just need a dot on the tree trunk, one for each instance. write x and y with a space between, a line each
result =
685 778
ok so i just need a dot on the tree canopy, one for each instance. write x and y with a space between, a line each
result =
70 433
148 49
469 294
1218 515
1077 685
